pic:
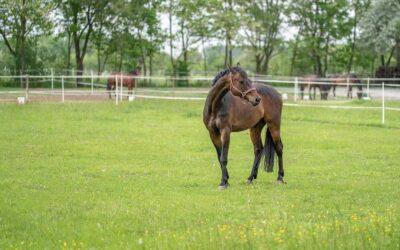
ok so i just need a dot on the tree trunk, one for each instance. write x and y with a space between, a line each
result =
353 45
21 43
318 66
103 66
398 54
170 40
226 50
69 52
390 56
204 56
79 71
150 66
98 59
143 59
293 59
230 50
258 63
230 54
78 60
120 61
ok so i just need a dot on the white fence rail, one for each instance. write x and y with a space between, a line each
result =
383 89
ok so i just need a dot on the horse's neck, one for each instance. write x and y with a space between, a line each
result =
215 95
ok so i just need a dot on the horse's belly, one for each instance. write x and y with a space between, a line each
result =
247 117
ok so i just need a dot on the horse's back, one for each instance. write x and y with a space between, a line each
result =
269 93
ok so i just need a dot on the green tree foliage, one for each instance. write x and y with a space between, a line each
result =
266 36
320 23
21 24
79 18
262 20
381 29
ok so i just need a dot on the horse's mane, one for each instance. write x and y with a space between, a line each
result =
226 71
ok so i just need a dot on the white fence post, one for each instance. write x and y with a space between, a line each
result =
368 87
52 79
116 90
62 88
296 84
91 73
383 102
348 88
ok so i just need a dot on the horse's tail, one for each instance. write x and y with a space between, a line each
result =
269 152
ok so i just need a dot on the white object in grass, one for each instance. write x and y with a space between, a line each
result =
21 99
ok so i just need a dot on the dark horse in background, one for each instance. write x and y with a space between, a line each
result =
348 81
128 80
234 104
312 82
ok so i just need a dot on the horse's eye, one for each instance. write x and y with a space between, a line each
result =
241 82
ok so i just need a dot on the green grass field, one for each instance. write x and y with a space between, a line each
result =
145 175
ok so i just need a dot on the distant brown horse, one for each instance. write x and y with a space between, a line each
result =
128 81
234 104
312 82
348 81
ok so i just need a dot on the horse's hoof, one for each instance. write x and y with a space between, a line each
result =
222 187
249 181
280 181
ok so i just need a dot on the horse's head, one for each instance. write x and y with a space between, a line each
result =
241 86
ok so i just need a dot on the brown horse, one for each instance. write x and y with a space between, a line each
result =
234 104
310 83
128 81
348 81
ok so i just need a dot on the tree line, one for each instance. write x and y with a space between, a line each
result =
183 37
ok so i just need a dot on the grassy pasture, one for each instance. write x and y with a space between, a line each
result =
145 175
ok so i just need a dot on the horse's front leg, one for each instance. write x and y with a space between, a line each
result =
225 139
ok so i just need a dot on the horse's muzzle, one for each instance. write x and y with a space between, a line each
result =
256 101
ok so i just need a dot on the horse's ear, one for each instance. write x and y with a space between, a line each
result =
238 64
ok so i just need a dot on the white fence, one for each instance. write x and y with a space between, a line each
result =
63 88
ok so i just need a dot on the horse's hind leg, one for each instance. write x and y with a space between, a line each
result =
276 136
349 92
334 90
302 92
255 135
